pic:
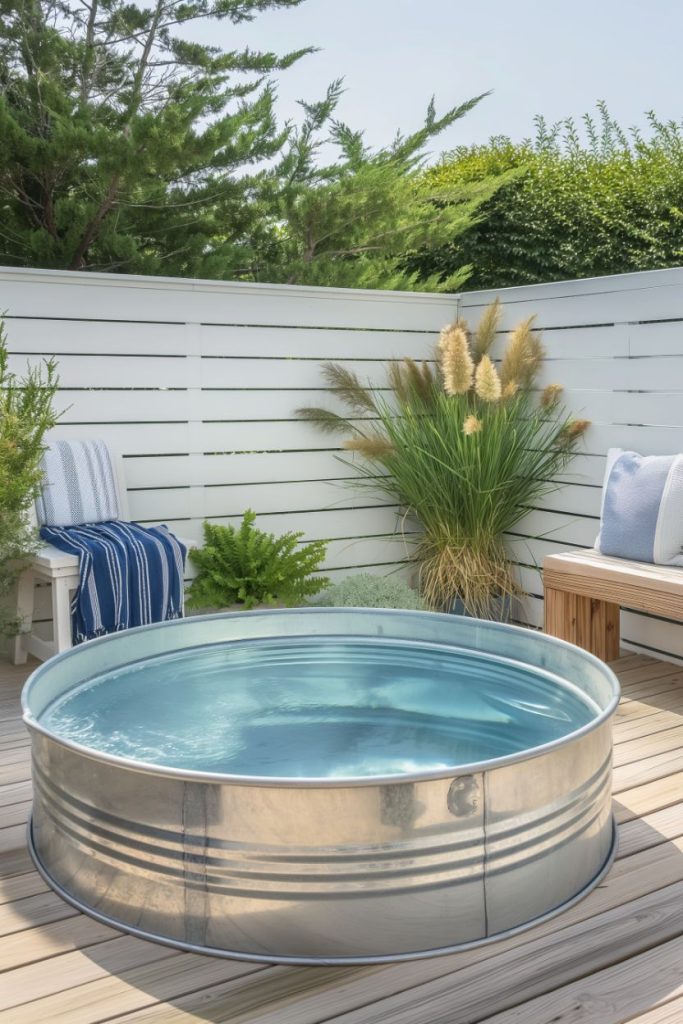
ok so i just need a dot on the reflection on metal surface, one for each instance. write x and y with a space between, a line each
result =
333 870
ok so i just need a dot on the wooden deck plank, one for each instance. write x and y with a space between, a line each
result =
611 996
57 937
643 747
534 969
668 1013
133 989
292 996
60 966
651 796
46 978
33 912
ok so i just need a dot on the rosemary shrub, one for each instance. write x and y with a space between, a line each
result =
463 445
26 414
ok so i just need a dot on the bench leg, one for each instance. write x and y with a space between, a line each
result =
61 613
584 621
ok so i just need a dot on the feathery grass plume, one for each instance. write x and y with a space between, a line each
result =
444 335
456 363
486 380
418 383
534 359
487 328
472 425
372 447
551 395
523 355
510 389
428 376
397 381
347 386
449 329
572 431
328 422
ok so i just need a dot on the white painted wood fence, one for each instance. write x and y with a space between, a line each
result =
616 343
197 383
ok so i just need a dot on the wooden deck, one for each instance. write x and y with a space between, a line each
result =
617 956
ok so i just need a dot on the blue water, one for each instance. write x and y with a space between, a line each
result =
318 707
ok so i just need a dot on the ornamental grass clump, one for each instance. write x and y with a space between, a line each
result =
465 445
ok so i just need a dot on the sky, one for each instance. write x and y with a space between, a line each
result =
554 58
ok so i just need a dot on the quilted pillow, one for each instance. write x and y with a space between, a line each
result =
642 508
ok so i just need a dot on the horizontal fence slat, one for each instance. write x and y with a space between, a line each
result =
209 470
116 371
576 343
45 337
55 294
226 343
624 298
343 524
557 526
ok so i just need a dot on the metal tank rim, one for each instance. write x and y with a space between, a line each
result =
323 961
303 782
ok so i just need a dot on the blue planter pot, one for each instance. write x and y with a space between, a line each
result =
499 611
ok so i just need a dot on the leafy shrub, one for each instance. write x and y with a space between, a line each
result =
571 209
367 591
26 413
247 566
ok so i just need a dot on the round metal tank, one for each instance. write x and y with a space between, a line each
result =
328 870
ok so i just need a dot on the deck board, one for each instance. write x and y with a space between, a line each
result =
617 956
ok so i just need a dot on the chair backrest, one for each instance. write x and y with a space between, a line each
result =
119 488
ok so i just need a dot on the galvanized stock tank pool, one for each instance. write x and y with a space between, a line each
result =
322 785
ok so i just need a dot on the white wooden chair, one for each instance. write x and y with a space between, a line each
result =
60 569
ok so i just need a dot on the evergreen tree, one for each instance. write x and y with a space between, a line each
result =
349 223
125 146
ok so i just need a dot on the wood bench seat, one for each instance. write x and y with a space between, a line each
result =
584 591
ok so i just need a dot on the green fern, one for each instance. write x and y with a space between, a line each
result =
247 566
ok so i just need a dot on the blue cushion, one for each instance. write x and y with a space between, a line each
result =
642 508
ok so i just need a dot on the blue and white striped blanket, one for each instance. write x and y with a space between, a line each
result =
129 575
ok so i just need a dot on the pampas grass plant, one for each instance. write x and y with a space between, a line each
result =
464 446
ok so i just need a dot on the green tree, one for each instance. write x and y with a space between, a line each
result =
609 203
125 146
350 222
26 414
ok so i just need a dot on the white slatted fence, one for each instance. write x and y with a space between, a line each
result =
196 383
616 344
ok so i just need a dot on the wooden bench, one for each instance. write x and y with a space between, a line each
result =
584 591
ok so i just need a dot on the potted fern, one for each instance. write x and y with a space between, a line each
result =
244 568
466 447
